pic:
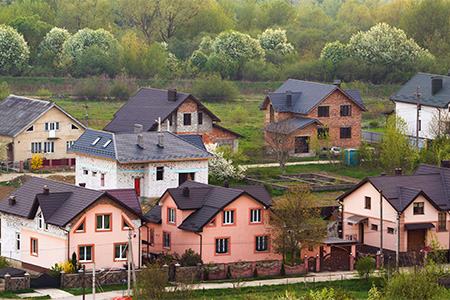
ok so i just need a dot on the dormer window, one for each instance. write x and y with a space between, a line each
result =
96 141
40 221
107 143
30 129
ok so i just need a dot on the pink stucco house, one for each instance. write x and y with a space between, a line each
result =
413 206
44 222
221 224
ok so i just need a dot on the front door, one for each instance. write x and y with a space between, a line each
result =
137 185
416 239
361 233
9 152
301 144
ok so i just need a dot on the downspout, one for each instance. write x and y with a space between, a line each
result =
140 248
397 247
201 243
68 243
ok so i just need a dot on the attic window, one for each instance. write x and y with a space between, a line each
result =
81 227
31 128
107 143
96 141
125 224
75 127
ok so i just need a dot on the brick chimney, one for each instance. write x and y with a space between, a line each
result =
436 84
288 98
140 140
186 192
46 190
398 171
445 163
172 95
12 200
225 184
161 140
337 82
137 128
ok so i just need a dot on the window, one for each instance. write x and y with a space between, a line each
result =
222 246
106 144
212 223
40 221
272 114
120 251
368 203
323 111
125 224
85 172
346 110
102 179
95 141
85 253
200 118
442 221
255 216
374 227
94 173
81 227
261 243
166 240
49 147
152 237
346 132
187 119
74 127
30 129
36 147
103 222
228 217
69 144
420 125
34 247
170 120
418 208
171 215
159 173
18 241
322 133
51 126
390 230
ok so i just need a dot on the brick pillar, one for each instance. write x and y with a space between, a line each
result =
8 282
352 262
378 260
317 263
21 166
306 264
50 164
70 162
27 280
63 279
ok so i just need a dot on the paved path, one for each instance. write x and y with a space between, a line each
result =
310 162
10 176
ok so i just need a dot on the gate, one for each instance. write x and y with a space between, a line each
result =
337 260
45 281
312 264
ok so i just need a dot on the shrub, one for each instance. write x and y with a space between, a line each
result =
43 93
374 123
4 263
282 270
36 161
123 88
229 272
190 258
255 273
326 294
365 266
151 284
4 91
213 88
238 114
93 88
269 188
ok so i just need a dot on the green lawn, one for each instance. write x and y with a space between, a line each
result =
13 295
106 288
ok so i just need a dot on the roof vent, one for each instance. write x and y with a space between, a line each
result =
12 200
140 140
172 95
186 192
225 184
436 84
288 98
337 82
398 171
445 163
82 184
161 140
137 128
46 190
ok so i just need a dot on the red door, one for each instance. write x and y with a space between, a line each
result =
137 186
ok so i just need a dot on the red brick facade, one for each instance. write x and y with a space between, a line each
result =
334 121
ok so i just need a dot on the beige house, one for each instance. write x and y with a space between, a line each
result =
31 126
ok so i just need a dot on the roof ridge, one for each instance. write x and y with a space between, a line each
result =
163 90
32 99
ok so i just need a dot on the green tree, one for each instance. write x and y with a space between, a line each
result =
142 15
54 40
275 13
151 284
336 52
355 13
295 222
4 91
14 51
365 266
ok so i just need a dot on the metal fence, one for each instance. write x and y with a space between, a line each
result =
11 166
375 137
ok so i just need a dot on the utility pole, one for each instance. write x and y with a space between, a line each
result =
87 113
418 114
381 229
93 283
397 248
130 247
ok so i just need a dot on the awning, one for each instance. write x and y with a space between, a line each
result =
330 241
14 272
418 226
355 219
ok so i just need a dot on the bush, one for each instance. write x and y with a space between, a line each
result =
151 284
190 258
4 263
365 266
269 188
43 93
4 91
282 270
255 273
374 123
36 161
123 88
238 114
328 294
229 272
93 88
213 88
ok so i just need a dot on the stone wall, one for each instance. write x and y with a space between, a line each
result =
101 277
17 283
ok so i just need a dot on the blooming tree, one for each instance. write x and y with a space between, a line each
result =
54 41
237 46
85 38
275 40
335 51
222 168
14 51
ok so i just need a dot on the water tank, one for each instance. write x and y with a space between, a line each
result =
351 157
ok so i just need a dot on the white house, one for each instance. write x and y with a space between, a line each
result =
434 102
149 162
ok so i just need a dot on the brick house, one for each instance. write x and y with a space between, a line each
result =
180 113
301 110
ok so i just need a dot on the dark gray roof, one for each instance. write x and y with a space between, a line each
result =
227 130
440 99
64 202
154 214
305 96
17 113
430 181
208 201
145 107
124 148
128 197
290 124
195 139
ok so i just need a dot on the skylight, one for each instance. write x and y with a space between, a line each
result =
96 141
107 143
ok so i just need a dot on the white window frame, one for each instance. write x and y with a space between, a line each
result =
107 143
84 248
171 217
49 147
85 172
51 126
69 144
17 241
123 249
228 217
256 215
34 246
36 147
103 228
222 246
96 141
40 221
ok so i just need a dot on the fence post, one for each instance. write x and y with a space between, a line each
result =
352 262
378 259
7 282
306 264
317 263
27 280
21 166
63 279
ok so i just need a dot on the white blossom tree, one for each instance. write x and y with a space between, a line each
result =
14 51
335 51
54 41
85 38
222 168
237 46
275 40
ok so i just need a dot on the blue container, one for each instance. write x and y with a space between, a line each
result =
351 157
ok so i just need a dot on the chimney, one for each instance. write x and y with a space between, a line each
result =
436 84
288 98
137 128
337 82
172 95
398 171
186 192
445 163
12 200
383 174
225 184
46 190
140 140
161 140
82 184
